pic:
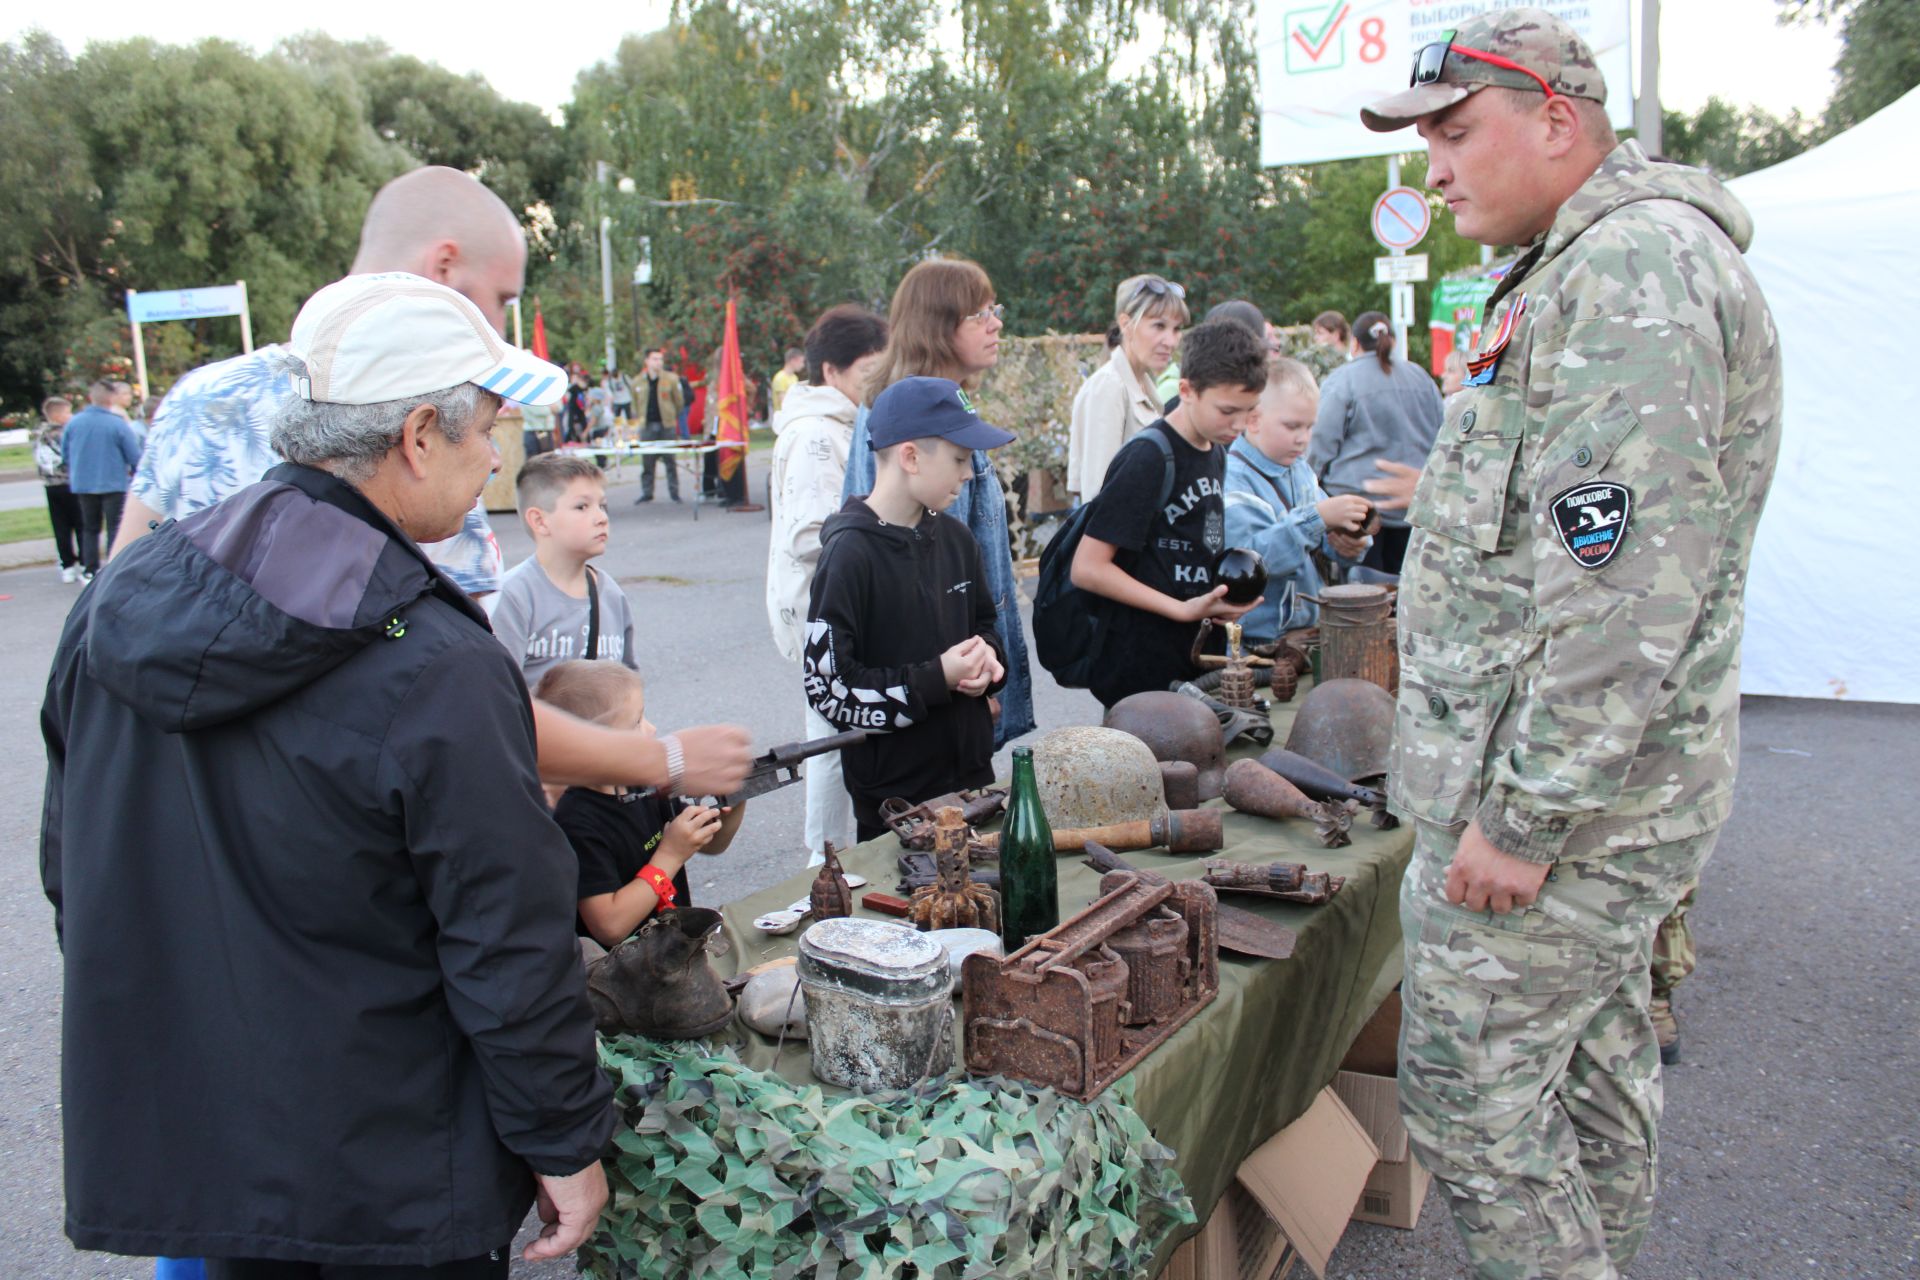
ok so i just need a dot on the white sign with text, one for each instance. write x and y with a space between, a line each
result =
1320 62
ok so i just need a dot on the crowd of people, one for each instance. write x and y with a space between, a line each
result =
386 788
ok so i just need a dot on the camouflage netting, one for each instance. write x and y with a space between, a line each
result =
1030 393
724 1171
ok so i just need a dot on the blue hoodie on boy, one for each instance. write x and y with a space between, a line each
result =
1274 509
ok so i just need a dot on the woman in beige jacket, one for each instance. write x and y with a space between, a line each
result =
1118 398
815 431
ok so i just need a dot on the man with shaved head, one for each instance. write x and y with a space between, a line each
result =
211 438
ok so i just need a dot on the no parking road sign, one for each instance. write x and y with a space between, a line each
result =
1401 218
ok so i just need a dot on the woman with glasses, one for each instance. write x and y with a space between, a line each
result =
944 323
1120 397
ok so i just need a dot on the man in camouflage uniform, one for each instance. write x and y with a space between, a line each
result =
1570 615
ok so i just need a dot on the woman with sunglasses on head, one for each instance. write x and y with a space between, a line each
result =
944 323
1119 398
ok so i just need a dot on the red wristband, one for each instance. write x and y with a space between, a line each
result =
660 882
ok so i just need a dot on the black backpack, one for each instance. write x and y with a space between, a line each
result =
1070 625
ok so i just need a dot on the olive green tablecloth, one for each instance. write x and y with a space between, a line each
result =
1253 1060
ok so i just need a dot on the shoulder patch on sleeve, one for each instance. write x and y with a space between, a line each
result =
1591 520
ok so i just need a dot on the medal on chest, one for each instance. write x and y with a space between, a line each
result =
1591 520
1482 367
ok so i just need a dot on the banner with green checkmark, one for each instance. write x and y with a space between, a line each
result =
1322 60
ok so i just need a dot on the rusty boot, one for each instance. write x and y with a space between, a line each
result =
1666 1027
658 982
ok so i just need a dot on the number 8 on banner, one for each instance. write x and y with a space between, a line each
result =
1373 40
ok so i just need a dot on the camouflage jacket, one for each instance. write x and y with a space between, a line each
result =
1571 605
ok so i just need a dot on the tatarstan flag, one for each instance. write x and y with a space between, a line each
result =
730 406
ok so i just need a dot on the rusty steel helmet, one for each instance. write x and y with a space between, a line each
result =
1176 727
1346 725
1094 777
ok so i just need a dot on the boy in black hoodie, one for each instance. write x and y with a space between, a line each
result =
900 636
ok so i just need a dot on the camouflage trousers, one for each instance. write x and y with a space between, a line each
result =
1673 954
1529 1072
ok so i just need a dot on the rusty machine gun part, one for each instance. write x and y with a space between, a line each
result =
1357 634
1241 932
1186 831
780 767
914 823
1069 1010
954 900
831 897
1254 788
1287 881
1319 781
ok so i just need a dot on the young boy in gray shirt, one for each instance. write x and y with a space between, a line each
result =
554 606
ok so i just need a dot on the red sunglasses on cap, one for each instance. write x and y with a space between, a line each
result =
1431 60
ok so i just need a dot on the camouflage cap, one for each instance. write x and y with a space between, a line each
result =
1533 38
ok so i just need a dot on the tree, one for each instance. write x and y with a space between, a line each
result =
1879 53
1723 138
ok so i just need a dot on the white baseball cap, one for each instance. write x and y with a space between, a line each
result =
372 338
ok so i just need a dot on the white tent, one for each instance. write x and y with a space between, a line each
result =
1833 610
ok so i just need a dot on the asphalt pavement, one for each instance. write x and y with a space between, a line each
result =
1792 1124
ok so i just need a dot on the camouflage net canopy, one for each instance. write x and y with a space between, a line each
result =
724 1171
1030 393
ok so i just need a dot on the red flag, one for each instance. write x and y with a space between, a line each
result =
539 334
731 403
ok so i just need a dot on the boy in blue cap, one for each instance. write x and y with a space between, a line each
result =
900 637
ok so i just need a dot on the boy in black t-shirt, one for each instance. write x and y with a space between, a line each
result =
632 846
1154 558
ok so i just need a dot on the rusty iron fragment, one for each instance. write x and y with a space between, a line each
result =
1241 932
1061 1010
954 900
914 823
1288 881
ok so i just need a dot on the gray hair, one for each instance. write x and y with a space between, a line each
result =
349 440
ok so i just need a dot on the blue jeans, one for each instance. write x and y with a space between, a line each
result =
982 505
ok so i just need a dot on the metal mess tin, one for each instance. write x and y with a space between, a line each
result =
879 1004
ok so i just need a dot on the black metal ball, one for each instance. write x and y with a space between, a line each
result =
1243 572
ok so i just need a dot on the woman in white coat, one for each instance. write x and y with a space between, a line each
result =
815 431
1118 398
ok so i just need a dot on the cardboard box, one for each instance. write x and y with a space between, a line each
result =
1376 1050
1289 1203
1397 1186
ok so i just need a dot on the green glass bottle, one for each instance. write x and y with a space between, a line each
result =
1029 884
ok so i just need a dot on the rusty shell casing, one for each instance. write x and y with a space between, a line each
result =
1254 788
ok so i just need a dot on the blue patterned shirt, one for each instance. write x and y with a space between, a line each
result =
212 436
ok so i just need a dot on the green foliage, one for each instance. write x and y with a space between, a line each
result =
719 1170
1731 141
150 166
1879 53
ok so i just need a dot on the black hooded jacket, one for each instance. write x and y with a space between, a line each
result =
322 1000
886 602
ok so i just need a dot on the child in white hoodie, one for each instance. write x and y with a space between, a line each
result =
815 432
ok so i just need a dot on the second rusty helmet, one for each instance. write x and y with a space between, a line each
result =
1346 725
1176 727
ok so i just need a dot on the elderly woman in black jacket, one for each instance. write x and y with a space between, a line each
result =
323 998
